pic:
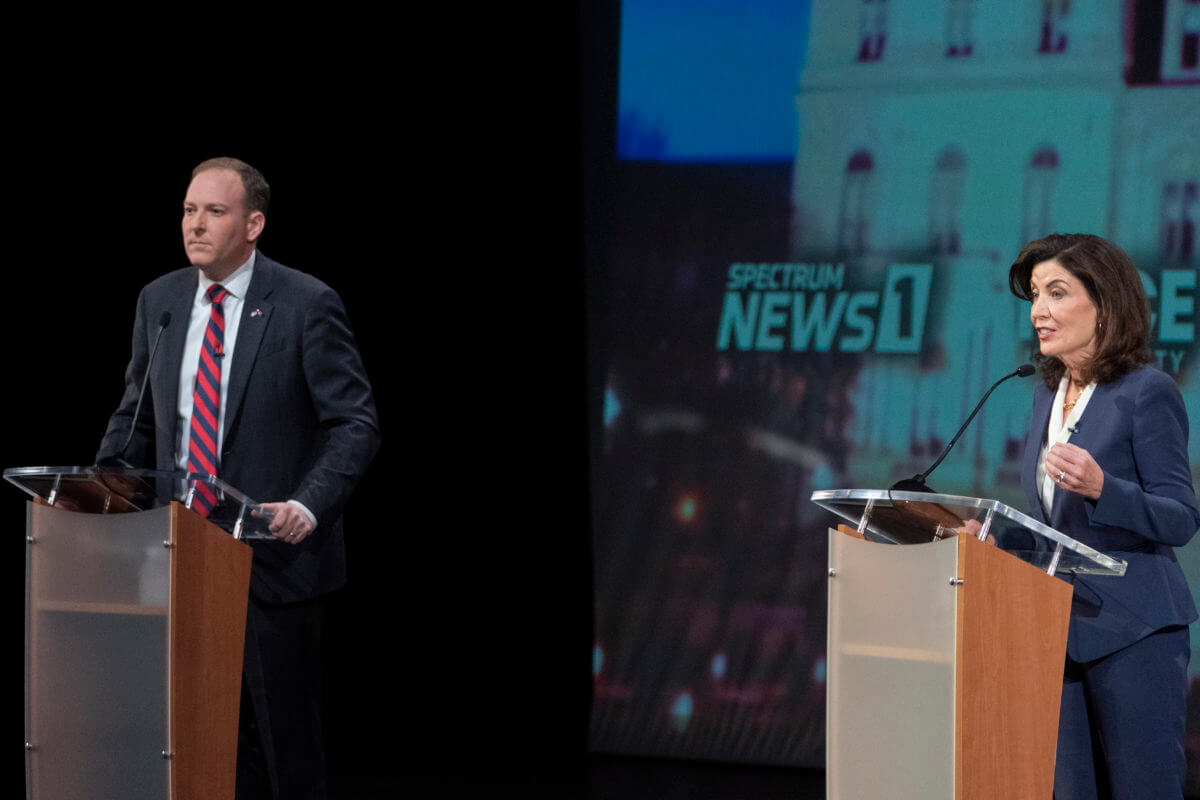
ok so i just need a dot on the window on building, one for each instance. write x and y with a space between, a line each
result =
1055 16
1189 45
1180 209
945 202
872 30
1177 57
1037 202
854 218
959 16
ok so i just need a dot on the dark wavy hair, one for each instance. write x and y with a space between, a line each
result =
1115 288
258 193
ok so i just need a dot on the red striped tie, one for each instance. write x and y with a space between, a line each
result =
206 403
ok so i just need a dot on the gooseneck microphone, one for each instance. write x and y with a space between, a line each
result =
917 482
119 459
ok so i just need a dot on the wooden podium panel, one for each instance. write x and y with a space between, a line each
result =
210 580
1012 644
945 671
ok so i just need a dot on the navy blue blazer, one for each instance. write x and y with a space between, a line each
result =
300 420
1136 428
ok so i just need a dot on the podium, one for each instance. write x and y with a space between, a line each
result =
945 654
135 625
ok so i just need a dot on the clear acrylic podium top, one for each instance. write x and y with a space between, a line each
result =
115 490
917 517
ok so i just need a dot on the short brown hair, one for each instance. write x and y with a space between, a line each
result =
1115 288
258 193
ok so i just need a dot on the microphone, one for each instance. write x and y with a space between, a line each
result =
119 459
917 482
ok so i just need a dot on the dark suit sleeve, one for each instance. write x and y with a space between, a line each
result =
141 447
1161 505
344 406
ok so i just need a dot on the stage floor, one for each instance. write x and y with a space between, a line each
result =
593 777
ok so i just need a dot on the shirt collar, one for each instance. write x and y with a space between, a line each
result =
1060 421
238 281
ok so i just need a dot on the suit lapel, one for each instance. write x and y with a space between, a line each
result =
1038 423
256 314
1089 424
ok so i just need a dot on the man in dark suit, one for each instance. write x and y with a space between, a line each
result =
295 428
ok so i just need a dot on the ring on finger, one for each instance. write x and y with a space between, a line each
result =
1061 475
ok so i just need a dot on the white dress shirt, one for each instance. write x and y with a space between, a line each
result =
236 285
1058 432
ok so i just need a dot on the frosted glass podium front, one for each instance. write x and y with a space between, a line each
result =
97 637
890 670
945 652
134 631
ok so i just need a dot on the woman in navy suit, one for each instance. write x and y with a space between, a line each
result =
1106 463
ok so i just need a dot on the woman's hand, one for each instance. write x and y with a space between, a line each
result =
1074 469
972 527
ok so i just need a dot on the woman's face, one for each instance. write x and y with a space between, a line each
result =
1063 315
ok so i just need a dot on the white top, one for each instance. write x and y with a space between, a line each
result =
1058 432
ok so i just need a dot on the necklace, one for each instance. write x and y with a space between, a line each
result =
1071 382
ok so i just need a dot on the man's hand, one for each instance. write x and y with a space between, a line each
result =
290 523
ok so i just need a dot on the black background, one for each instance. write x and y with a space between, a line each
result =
437 187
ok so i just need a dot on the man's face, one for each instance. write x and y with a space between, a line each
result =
218 231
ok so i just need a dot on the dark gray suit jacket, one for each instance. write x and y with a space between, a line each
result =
1136 428
300 419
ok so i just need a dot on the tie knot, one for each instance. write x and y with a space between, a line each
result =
217 292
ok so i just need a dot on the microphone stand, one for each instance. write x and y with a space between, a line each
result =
917 482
